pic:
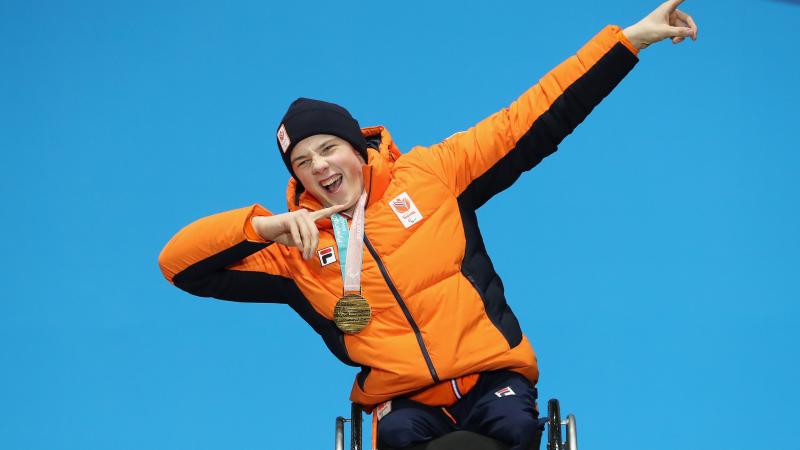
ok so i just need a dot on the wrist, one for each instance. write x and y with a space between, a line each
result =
632 34
259 225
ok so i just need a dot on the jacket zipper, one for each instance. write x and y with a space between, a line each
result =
403 306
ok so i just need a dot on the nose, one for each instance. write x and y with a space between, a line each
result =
318 165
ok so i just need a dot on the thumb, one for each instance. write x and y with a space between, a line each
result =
327 212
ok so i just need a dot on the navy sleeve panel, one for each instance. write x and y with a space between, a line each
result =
327 329
210 278
477 267
555 124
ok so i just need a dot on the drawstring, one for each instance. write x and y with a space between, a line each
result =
374 430
447 413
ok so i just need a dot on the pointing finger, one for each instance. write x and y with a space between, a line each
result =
672 4
327 212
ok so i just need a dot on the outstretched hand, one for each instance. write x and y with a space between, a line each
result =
295 229
664 22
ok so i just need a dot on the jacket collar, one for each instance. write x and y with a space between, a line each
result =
377 174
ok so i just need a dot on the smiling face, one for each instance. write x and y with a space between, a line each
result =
330 169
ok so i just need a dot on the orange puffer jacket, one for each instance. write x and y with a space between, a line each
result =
439 312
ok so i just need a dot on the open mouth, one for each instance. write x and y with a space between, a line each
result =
331 185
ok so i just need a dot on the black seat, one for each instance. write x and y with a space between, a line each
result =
461 440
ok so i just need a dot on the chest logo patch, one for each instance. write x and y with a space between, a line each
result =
405 209
326 256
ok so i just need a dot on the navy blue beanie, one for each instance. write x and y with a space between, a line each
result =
307 117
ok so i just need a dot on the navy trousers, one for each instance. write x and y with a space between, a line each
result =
501 406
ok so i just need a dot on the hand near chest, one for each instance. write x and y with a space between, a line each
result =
295 228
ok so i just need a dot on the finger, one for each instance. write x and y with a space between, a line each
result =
312 227
305 234
327 212
295 234
678 22
674 32
689 22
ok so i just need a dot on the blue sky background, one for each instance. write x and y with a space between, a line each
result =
653 260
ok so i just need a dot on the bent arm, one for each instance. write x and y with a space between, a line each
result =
222 256
486 159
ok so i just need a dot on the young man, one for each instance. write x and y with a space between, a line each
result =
382 255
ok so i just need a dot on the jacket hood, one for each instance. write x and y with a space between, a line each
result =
382 153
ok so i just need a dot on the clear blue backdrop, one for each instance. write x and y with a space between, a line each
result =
653 260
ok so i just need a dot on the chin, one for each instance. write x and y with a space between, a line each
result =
350 202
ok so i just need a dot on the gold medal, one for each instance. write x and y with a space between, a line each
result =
352 313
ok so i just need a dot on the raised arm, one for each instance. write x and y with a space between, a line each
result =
482 161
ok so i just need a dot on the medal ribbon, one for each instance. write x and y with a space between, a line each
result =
351 245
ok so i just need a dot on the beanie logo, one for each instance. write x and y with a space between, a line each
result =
283 138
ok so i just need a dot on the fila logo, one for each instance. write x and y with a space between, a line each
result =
505 392
405 209
326 256
283 138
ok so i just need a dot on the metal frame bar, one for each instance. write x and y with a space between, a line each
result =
339 444
355 426
572 432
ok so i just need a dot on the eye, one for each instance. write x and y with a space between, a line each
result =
328 148
302 163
